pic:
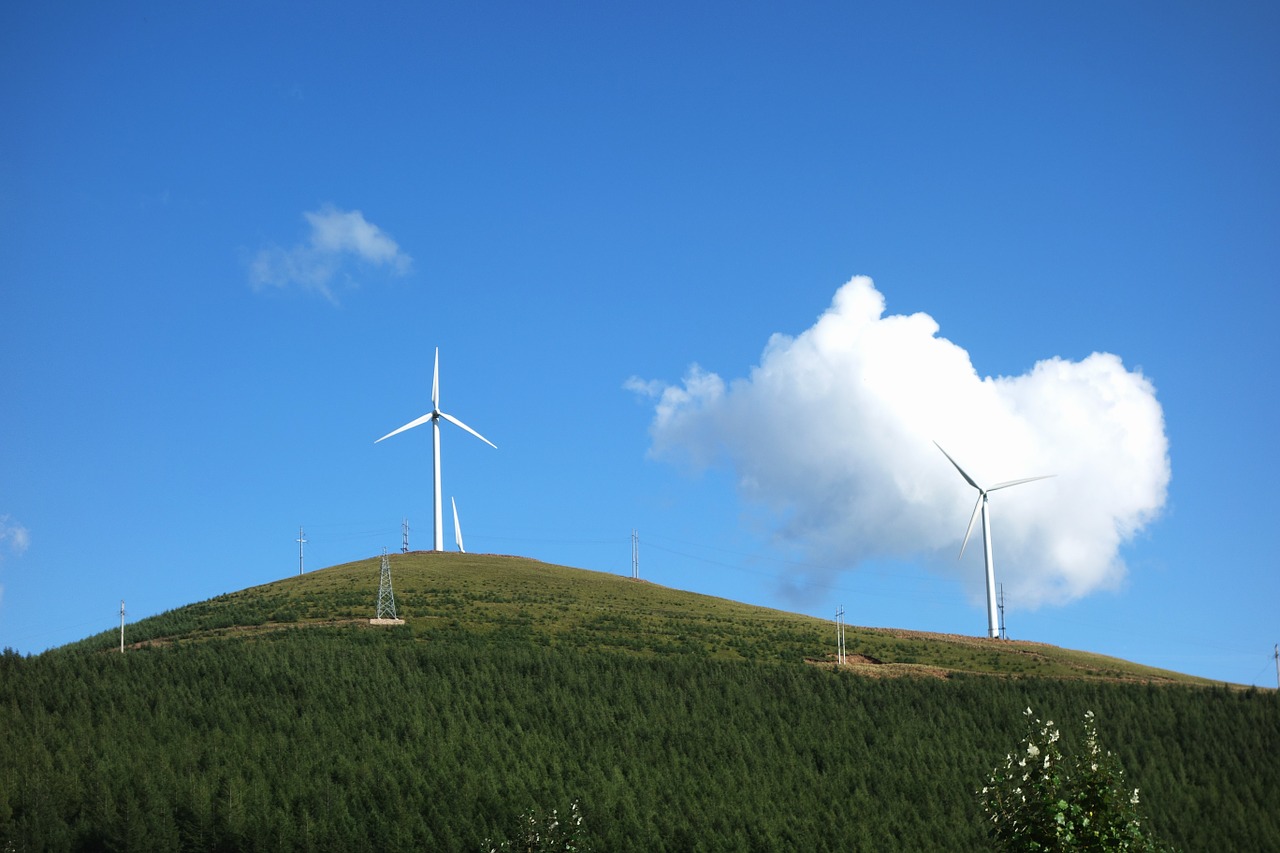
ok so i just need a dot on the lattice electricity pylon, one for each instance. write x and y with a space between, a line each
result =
386 598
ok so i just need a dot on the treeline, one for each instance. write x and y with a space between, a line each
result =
362 739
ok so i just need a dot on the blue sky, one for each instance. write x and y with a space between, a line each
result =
717 272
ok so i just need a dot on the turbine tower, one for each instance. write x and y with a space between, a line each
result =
993 625
434 417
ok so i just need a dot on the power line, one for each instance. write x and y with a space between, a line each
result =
825 567
827 585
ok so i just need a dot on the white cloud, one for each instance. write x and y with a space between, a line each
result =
14 538
336 236
832 433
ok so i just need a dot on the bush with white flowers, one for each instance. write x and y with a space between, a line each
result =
547 833
1041 799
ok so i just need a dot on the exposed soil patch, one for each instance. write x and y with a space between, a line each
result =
239 630
867 659
875 668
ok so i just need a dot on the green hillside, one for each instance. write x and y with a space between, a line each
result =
279 718
520 599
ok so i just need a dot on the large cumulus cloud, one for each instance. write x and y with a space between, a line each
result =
833 433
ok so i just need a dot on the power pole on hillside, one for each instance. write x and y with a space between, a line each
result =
122 626
1278 666
386 598
1004 635
635 554
404 536
301 540
840 635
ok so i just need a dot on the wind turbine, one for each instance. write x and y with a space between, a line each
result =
434 416
993 625
457 528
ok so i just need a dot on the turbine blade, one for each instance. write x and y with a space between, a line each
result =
451 419
457 528
967 478
972 519
1020 482
419 422
435 382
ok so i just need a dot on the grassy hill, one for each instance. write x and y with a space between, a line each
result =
522 599
279 718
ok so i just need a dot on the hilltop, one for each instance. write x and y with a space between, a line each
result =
560 606
278 718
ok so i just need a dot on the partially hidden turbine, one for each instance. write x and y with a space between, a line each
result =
993 623
434 416
457 528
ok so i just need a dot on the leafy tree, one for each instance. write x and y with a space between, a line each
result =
545 833
1042 799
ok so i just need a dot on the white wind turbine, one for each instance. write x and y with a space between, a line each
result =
993 625
457 528
434 416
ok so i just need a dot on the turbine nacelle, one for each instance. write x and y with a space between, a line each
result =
982 493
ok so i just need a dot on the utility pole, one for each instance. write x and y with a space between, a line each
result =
122 626
1004 635
302 540
1278 666
386 598
404 536
635 554
840 635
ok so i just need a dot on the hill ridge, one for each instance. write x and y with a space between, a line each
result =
556 604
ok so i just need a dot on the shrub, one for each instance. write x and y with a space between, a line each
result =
544 834
1043 799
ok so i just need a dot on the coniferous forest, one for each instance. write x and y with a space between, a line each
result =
277 719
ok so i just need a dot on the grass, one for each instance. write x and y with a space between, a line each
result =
492 597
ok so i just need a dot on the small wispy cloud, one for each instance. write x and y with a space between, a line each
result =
337 238
14 538
833 432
